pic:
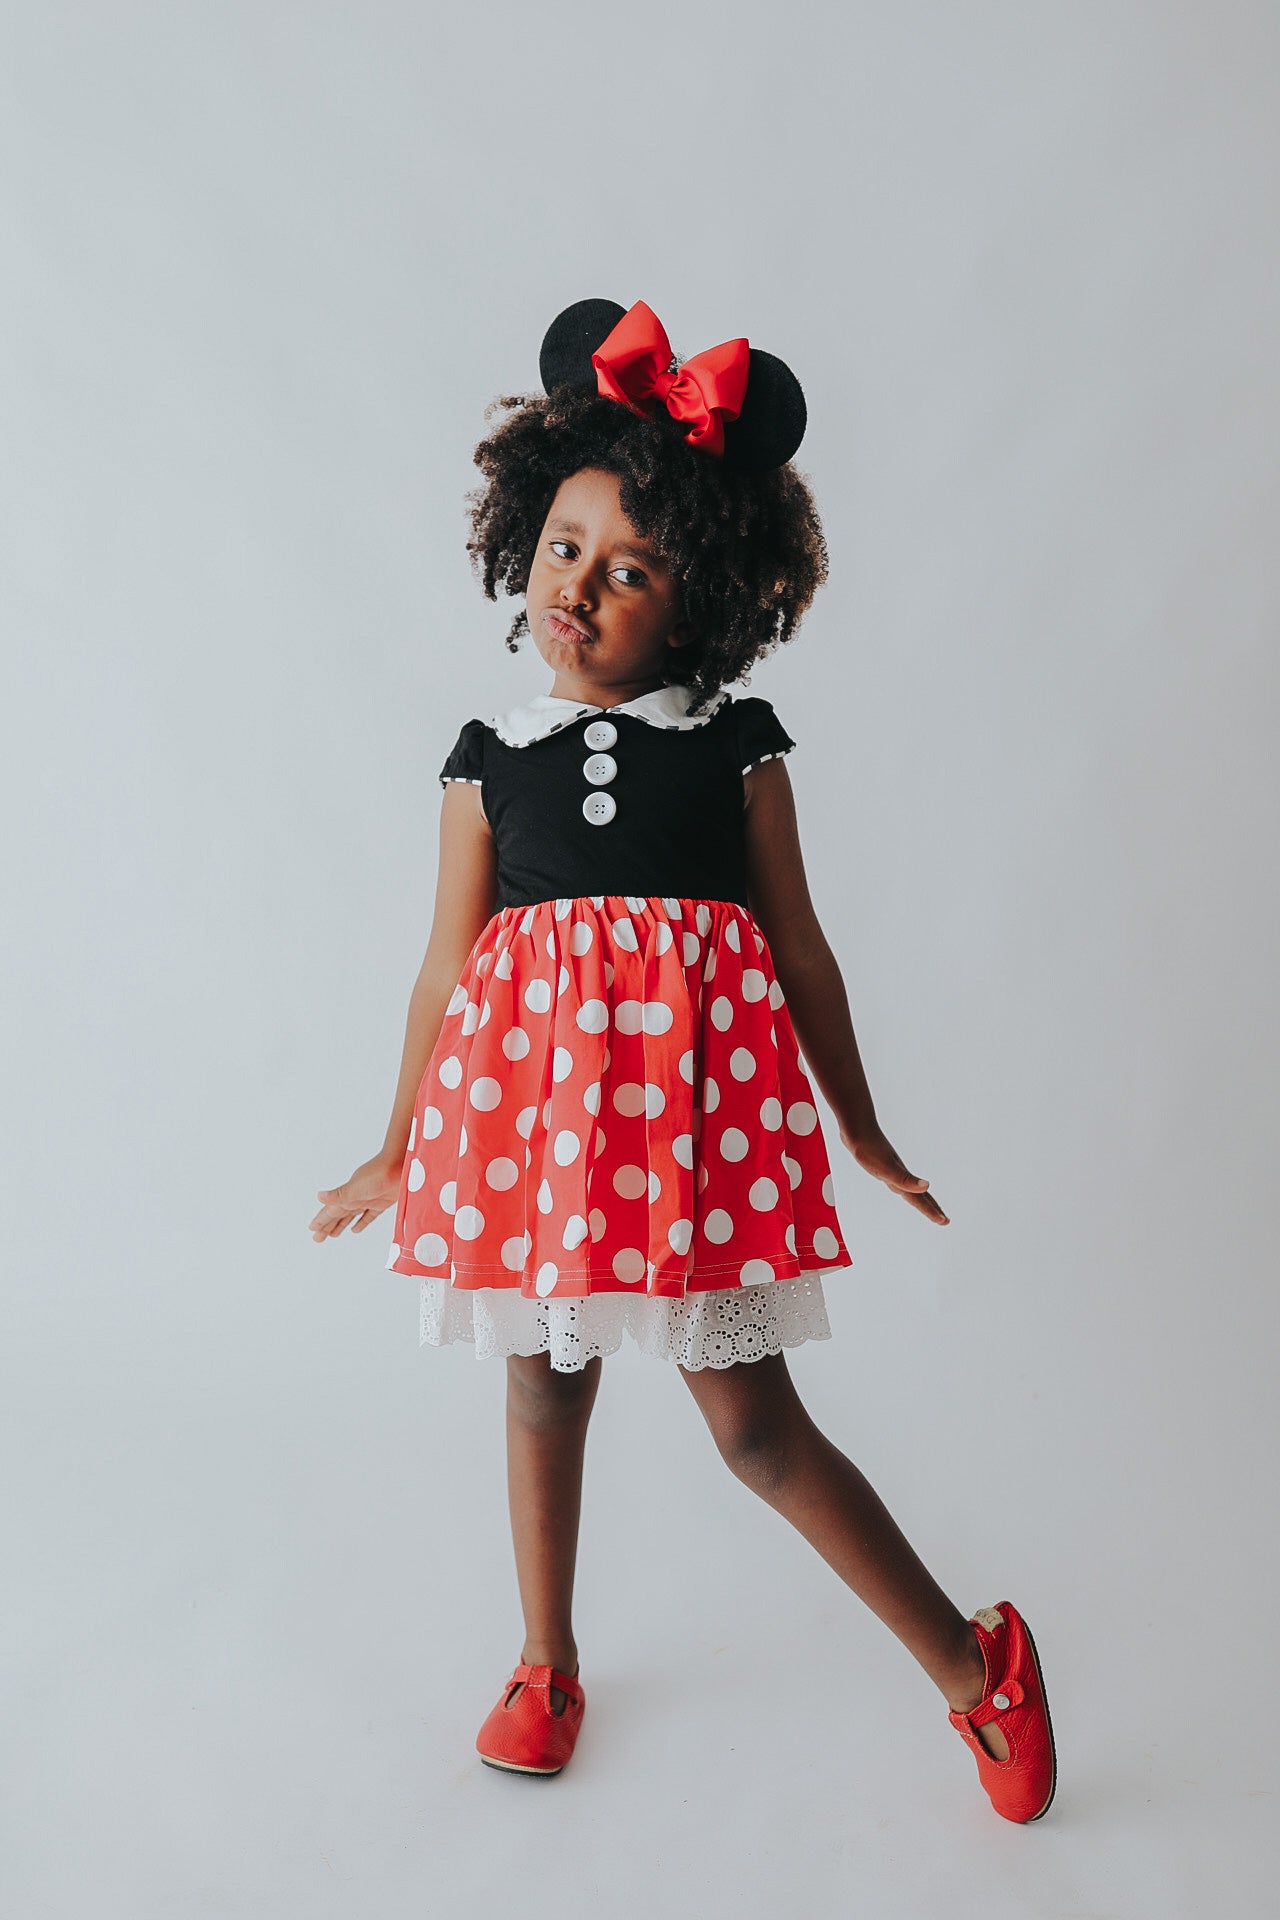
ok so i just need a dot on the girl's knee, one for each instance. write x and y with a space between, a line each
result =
542 1396
755 1418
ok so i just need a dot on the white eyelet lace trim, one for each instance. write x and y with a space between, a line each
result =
713 1328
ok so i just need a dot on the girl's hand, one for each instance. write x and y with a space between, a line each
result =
371 1189
873 1152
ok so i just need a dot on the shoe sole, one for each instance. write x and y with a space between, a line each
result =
512 1766
1053 1751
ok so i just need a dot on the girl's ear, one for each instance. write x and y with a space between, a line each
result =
572 338
680 635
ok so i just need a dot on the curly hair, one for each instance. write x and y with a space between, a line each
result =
747 549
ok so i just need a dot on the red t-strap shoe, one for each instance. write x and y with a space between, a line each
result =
1013 1699
523 1734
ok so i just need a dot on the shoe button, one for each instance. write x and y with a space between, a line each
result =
1000 1700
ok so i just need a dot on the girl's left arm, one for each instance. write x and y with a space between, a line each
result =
811 981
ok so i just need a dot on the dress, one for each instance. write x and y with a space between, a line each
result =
615 1131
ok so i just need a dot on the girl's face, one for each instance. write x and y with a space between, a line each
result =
603 608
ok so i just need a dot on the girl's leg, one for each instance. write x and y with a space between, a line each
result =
769 1442
547 1416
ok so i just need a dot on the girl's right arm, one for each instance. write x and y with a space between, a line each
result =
466 892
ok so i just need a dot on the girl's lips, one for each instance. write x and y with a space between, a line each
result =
566 629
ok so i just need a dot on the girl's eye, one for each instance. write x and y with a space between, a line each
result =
559 543
638 581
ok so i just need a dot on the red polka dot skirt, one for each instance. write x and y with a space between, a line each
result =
615 1132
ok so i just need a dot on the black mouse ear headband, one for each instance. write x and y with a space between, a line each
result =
734 400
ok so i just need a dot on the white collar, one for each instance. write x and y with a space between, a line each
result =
665 706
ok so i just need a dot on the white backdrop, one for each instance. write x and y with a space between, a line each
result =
264 267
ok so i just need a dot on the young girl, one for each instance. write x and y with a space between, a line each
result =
603 1123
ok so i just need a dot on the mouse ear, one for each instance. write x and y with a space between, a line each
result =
773 419
572 338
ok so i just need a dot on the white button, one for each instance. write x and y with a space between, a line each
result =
600 768
601 733
1000 1700
599 808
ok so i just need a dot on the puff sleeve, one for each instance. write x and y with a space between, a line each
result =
466 756
761 735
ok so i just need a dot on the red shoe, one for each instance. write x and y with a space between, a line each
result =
523 1734
1013 1699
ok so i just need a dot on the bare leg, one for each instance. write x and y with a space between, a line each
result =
547 1417
770 1443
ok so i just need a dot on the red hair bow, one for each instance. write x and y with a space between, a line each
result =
633 365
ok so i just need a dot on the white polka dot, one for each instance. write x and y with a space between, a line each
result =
470 1017
775 995
502 1174
591 1097
462 1140
703 1177
502 965
546 1111
432 1122
771 1114
829 1191
742 1063
702 917
431 1250
692 948
655 1100
686 1065
413 1128
709 969
457 1001
485 1093
625 935
721 1011
732 937
627 1016
790 1235
608 973
802 1117
562 979
449 1195
417 1174
486 1014
657 1016
581 938
537 996
718 1226
682 1149
562 906
567 1147
597 899
655 1186
450 1071
635 902
526 923
575 1232
663 937
561 1064
599 1141
545 1279
754 984
825 1244
629 1182
629 1265
524 1121
546 1199
672 905
794 1169
468 1223
598 1224
515 1044
763 1194
628 1097
592 1016
754 1273
514 1251
734 1144
680 1234
710 1094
